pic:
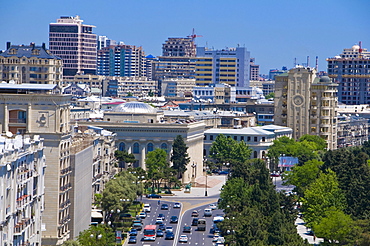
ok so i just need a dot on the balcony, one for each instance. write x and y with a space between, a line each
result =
20 227
14 120
66 187
22 201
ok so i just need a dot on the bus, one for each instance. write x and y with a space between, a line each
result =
201 225
150 232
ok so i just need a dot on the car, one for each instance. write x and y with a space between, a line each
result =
174 219
153 196
212 206
161 226
164 206
183 239
160 233
159 221
218 218
215 237
177 205
147 208
137 225
142 215
214 229
207 212
223 172
169 236
186 229
169 229
195 222
161 216
133 232
275 175
215 171
127 215
194 213
132 239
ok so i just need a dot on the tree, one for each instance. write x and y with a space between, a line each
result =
303 176
318 142
71 243
122 186
179 158
322 195
100 235
335 227
156 166
124 157
270 95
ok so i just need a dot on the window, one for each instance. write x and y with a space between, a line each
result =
164 147
255 139
263 139
255 154
122 146
210 137
242 138
136 148
235 138
150 147
248 139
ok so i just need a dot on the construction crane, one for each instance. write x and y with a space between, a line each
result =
193 36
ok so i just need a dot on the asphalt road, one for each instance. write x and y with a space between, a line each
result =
184 214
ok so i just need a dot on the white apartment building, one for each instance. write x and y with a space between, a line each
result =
22 170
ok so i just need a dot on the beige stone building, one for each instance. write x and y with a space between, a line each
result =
307 104
177 87
30 64
40 109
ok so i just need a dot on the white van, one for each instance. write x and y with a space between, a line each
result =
146 208
207 212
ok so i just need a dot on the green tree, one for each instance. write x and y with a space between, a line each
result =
180 157
124 158
322 195
122 186
271 95
71 243
281 146
129 94
100 235
318 142
157 166
335 227
303 176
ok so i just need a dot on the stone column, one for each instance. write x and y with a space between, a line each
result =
29 118
142 154
6 119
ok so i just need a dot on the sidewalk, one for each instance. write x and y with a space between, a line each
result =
214 185
305 233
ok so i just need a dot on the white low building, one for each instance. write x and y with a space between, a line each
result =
22 169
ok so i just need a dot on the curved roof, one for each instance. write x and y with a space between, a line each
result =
135 107
325 79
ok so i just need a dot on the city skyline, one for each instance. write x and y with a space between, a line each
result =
275 32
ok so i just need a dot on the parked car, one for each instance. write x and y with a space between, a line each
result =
160 233
177 205
164 206
133 232
223 172
142 215
137 225
186 228
174 219
275 175
153 196
132 239
214 229
218 218
195 222
169 236
194 213
183 239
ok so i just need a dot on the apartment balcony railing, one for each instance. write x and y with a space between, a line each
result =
13 120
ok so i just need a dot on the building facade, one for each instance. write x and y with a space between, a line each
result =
184 47
42 110
230 66
353 130
307 104
22 170
177 87
30 64
254 70
121 60
351 71
75 43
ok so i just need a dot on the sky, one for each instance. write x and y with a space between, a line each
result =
276 32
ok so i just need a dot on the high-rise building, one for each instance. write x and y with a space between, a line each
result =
104 41
351 71
254 70
230 66
179 47
121 60
307 104
75 43
30 64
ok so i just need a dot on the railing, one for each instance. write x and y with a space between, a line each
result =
21 226
15 120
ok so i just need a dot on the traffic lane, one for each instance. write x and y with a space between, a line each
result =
152 216
198 237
